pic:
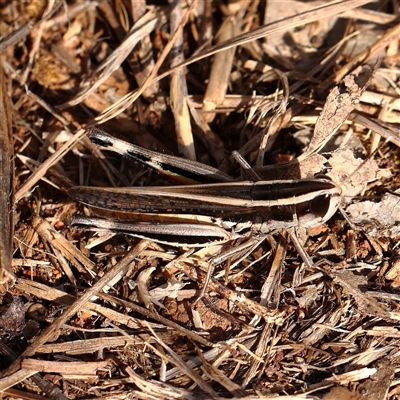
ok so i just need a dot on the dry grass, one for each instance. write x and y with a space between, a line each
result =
292 87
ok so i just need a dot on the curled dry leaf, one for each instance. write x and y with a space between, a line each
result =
353 174
171 289
379 219
339 104
143 290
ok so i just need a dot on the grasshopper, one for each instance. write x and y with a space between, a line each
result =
202 214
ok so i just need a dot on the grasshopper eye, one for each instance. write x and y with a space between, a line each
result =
320 205
325 206
319 210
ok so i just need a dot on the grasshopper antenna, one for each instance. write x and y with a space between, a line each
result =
245 166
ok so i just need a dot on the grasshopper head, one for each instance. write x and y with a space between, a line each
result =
320 208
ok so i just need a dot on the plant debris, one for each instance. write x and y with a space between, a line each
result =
297 89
